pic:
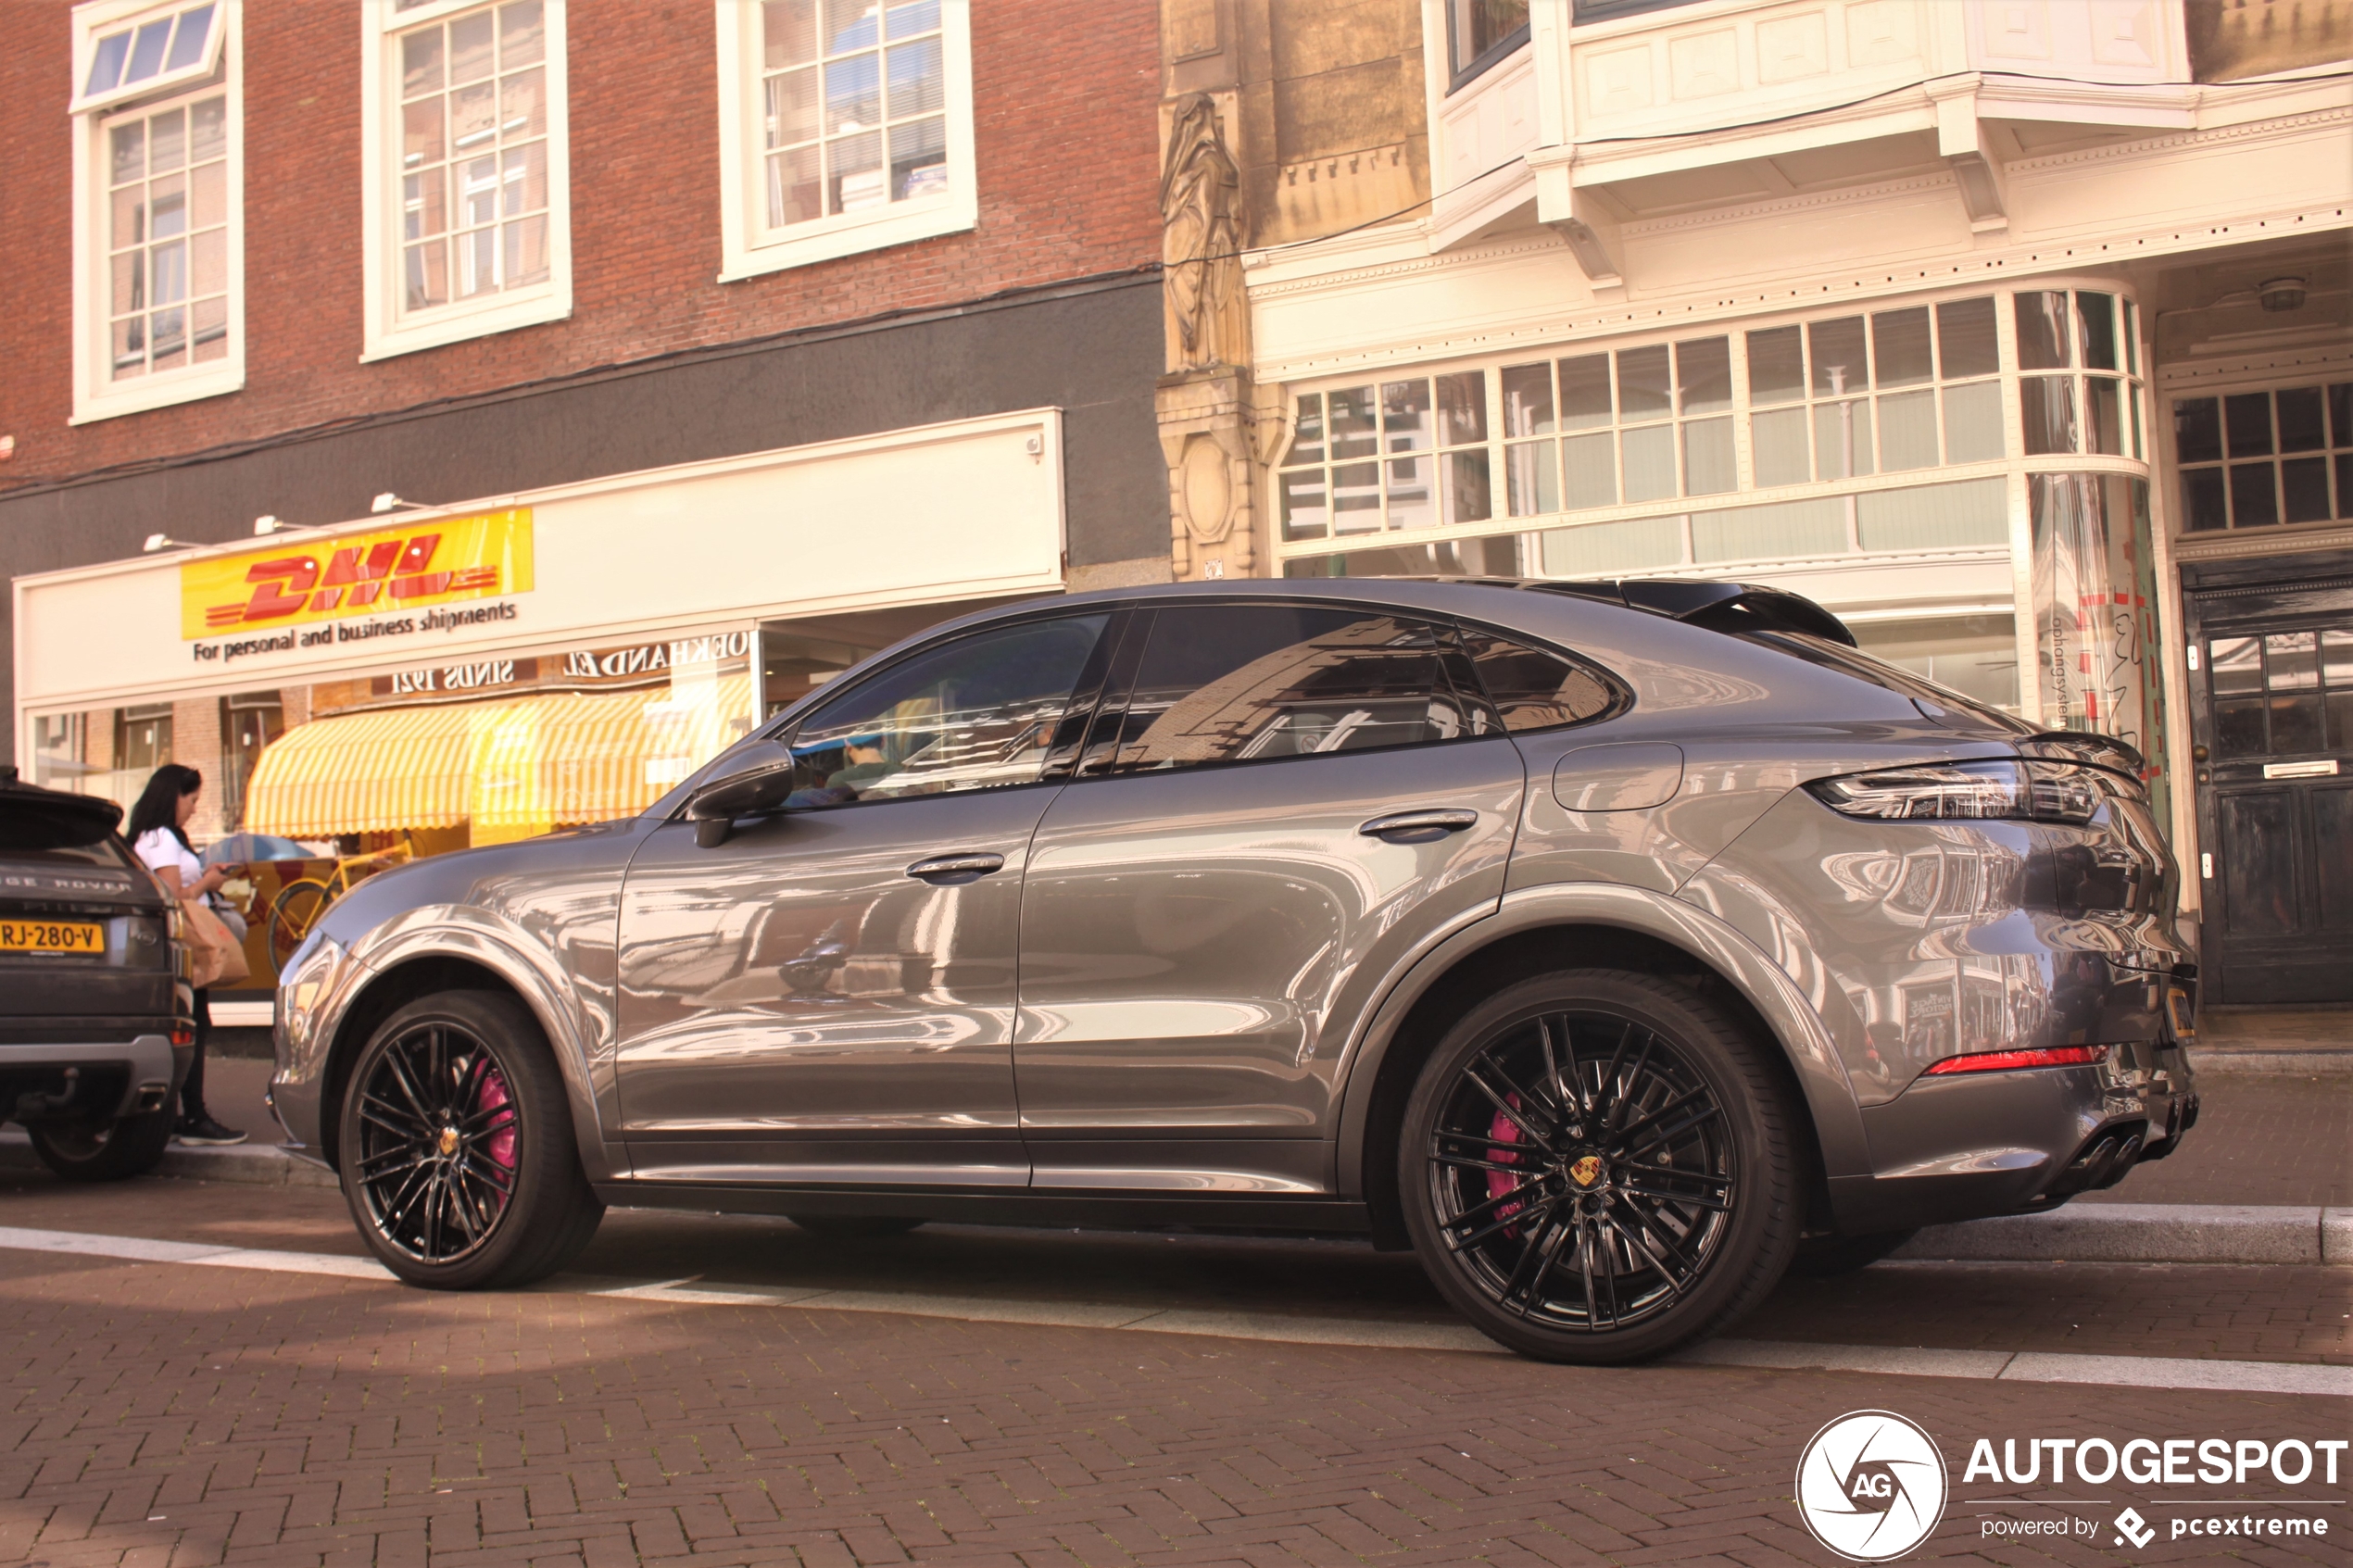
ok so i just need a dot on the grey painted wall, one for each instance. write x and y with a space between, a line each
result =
1092 350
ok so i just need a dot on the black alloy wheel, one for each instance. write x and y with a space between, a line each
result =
1597 1167
457 1153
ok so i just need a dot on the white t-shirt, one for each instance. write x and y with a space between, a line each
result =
160 849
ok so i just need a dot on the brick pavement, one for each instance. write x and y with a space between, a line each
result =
276 1420
2259 1140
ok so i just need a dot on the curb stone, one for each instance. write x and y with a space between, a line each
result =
2147 1233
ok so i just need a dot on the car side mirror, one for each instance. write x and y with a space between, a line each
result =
758 784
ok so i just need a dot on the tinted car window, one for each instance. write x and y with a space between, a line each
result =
1241 683
978 713
47 828
1533 689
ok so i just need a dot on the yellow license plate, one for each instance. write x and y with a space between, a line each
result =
52 936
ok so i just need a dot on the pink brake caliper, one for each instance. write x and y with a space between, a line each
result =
499 1147
1503 1132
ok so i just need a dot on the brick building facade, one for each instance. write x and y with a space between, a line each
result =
735 340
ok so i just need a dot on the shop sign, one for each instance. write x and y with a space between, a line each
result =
358 574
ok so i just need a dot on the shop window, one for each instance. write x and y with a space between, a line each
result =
1479 33
846 127
468 219
158 154
1935 376
1974 655
1388 457
2253 459
1643 424
2092 405
250 721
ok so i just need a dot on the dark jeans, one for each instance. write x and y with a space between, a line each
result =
192 1087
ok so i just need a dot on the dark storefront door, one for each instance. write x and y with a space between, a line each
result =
2273 700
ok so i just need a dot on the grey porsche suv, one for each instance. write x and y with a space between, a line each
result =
1615 946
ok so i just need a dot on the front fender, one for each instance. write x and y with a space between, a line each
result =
469 933
1797 1028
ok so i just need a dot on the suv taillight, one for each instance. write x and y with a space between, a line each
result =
2004 1061
2002 788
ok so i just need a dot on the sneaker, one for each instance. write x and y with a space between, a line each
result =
204 1133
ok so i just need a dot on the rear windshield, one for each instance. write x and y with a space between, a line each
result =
57 833
1894 678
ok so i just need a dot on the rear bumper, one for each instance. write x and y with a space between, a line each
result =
135 1075
1970 1145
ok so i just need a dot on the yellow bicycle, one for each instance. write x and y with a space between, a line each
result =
301 902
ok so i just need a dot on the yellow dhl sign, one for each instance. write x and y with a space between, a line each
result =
405 568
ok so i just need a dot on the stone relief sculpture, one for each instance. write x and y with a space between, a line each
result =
1200 243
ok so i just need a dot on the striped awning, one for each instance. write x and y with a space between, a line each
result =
507 769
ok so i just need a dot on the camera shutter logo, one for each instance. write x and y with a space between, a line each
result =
1871 1485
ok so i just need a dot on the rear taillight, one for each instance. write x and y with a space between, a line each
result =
2000 788
183 1035
2004 1061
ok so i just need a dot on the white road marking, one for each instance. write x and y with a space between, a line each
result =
2028 1366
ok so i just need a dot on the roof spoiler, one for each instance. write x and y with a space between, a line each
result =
1719 607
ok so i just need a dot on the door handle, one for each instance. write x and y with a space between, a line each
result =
1419 827
952 871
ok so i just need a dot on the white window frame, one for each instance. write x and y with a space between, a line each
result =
95 394
386 332
748 247
104 22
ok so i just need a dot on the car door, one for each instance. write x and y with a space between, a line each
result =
828 996
1280 802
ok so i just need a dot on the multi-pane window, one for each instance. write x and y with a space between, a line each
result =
1893 390
150 52
2077 356
1388 456
854 106
1601 429
2251 459
473 191
2285 693
167 225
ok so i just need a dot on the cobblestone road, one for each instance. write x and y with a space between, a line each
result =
167 1414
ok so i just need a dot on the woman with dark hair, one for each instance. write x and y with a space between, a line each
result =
158 831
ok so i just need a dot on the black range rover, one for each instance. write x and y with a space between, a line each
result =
96 1017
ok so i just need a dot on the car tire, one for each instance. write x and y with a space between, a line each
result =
457 1157
103 1149
857 1227
1830 1257
1648 1206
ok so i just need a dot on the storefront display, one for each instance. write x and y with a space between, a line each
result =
371 692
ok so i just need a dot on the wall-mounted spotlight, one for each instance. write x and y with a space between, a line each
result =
164 542
267 524
389 502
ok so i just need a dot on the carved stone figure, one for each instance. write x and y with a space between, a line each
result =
1201 241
